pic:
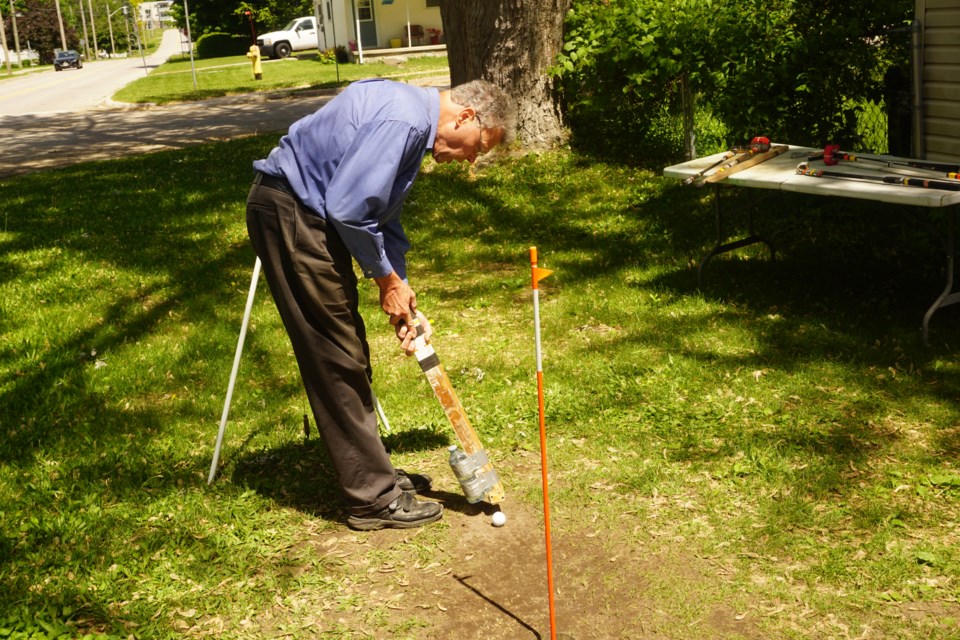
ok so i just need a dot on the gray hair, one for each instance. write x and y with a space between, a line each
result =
493 106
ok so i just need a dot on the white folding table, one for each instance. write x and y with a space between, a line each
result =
780 174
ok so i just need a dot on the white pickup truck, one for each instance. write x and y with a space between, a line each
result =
300 34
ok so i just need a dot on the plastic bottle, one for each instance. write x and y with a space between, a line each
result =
466 474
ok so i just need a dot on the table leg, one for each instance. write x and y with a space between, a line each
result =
948 296
724 247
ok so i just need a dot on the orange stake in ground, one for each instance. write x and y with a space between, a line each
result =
538 275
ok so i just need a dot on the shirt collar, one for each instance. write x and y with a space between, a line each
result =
434 111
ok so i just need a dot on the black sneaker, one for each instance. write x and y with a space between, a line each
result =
406 512
413 482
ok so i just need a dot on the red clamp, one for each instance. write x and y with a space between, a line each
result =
760 144
832 155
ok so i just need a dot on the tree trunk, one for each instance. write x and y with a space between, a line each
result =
511 43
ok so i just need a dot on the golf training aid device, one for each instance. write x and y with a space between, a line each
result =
726 156
738 160
472 467
832 155
804 169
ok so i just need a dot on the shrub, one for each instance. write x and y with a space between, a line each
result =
327 56
791 70
221 45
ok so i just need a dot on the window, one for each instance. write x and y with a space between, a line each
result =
365 10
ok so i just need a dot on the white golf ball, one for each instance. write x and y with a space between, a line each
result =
499 519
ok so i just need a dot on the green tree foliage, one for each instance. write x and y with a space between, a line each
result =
229 16
791 70
821 62
37 24
623 61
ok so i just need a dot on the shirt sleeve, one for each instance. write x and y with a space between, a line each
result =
371 174
396 246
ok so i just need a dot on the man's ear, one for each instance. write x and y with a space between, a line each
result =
466 114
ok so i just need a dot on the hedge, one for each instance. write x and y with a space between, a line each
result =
221 45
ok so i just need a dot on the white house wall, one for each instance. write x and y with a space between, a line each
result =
391 21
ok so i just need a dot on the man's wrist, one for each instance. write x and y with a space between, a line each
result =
388 281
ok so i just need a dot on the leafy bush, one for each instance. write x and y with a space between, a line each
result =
327 56
622 64
331 55
221 45
782 68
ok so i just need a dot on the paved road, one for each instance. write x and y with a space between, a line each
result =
35 142
84 124
49 91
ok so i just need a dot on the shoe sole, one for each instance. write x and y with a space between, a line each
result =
375 524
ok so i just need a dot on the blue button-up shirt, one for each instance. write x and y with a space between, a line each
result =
353 162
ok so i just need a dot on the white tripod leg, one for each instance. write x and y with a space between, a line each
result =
383 416
236 367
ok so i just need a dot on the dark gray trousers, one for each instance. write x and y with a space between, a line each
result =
311 278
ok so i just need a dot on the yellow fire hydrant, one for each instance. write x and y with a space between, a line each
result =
254 55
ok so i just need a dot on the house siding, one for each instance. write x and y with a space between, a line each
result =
938 136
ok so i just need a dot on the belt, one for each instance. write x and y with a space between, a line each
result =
274 182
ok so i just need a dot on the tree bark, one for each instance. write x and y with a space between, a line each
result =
511 43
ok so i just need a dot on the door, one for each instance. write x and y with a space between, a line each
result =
368 24
306 31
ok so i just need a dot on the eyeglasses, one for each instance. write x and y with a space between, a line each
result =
480 149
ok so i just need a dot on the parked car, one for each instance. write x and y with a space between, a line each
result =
68 58
300 34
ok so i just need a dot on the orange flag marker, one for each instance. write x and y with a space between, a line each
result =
539 274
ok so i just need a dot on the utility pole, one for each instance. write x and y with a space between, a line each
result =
83 18
63 34
16 38
3 41
96 46
126 25
193 68
138 25
110 14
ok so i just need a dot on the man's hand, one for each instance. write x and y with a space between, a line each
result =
407 334
397 299
399 302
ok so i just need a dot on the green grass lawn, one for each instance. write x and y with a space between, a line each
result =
782 432
173 81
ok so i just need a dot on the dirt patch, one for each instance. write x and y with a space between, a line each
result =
493 582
